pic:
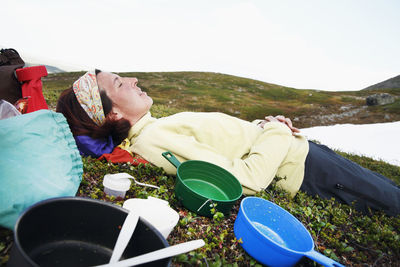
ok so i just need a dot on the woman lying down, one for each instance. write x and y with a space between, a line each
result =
103 109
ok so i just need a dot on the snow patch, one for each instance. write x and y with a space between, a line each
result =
379 141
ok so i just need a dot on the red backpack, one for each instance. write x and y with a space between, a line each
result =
21 86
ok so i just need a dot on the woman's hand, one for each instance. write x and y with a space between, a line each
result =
281 119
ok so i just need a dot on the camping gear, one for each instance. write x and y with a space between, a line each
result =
75 231
159 254
155 211
94 147
32 86
19 83
10 87
117 184
273 236
120 155
38 160
200 184
7 110
124 236
22 105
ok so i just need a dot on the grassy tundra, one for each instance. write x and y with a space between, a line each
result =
338 230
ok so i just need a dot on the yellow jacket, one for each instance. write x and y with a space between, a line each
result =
253 155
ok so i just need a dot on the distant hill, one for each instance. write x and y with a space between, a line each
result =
392 83
245 98
50 69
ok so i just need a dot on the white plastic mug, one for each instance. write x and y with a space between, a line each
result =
155 211
115 185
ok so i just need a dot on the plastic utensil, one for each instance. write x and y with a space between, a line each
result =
158 254
126 175
124 236
47 235
273 236
156 211
117 184
200 183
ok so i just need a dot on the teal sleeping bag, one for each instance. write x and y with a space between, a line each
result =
38 160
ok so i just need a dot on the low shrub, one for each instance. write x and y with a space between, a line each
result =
339 231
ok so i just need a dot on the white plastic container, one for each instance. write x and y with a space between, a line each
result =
155 211
116 185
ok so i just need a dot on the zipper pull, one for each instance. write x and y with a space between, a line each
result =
339 186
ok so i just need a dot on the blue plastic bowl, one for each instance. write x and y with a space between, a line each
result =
273 236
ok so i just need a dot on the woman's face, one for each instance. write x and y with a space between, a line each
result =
128 100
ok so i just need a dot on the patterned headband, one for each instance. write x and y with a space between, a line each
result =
87 92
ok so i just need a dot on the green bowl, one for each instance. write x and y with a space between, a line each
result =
201 184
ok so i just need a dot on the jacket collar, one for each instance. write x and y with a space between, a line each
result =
140 125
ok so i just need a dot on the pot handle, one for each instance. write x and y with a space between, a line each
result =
171 158
322 259
208 200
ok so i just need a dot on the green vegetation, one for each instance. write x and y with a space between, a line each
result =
338 230
245 98
391 108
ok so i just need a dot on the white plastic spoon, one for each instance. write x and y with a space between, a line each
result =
124 236
158 254
125 175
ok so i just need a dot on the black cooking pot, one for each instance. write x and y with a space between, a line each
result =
74 231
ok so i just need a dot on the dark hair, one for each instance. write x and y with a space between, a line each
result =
81 124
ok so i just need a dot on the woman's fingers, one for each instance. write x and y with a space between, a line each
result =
295 130
287 121
262 123
290 125
271 118
282 119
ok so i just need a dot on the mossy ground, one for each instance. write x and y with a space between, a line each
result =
244 98
338 230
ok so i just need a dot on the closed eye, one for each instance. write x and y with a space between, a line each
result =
117 81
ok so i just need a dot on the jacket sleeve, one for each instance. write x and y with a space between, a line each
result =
255 170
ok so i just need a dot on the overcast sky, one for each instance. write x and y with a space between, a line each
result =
319 44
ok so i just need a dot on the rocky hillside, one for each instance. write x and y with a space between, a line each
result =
246 98
392 83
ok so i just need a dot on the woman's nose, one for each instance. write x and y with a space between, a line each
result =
134 82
